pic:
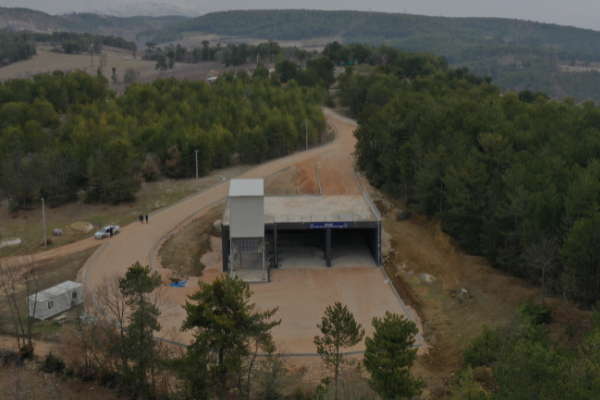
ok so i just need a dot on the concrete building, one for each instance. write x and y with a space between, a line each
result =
304 231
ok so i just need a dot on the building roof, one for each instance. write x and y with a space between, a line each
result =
55 291
247 188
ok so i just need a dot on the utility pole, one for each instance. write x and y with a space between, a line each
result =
307 134
197 187
44 217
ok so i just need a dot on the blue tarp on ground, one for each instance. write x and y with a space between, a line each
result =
178 284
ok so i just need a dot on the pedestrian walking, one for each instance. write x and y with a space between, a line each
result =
110 230
141 219
146 218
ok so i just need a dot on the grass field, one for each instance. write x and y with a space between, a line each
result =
48 61
53 272
27 224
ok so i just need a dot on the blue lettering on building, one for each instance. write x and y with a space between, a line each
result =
329 225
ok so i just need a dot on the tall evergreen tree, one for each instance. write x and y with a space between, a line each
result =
389 357
222 321
339 331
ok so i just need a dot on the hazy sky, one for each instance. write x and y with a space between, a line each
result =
580 13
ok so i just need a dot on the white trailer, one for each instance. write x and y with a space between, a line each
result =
55 300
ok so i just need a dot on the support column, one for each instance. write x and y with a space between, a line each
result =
225 243
275 253
263 260
379 258
328 247
232 258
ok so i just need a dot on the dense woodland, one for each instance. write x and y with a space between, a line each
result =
64 132
14 47
505 173
231 54
522 361
18 46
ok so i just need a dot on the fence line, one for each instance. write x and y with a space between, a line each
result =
365 194
318 179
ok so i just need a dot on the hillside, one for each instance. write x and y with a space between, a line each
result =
383 28
150 9
516 54
37 21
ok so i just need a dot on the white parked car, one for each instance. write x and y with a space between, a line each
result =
106 231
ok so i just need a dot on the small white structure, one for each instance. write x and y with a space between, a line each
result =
55 300
246 218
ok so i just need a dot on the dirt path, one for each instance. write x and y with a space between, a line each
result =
40 348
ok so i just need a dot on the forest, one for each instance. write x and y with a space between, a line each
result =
231 54
514 177
64 132
79 42
18 46
523 361
14 47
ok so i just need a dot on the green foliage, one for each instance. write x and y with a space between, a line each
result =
271 377
482 350
535 313
596 315
526 364
389 356
140 349
60 133
53 364
222 321
14 47
339 331
533 370
323 68
581 85
508 176
286 70
261 72
465 387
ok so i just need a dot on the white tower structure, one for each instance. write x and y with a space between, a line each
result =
246 219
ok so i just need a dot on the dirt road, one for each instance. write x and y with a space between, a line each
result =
137 242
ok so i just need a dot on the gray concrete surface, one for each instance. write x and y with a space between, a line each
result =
315 209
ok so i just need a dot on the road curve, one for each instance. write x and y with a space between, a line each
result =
136 242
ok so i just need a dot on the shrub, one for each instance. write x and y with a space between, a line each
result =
53 364
482 350
536 313
151 168
403 215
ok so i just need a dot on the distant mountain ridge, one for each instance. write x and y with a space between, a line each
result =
17 19
151 9
384 28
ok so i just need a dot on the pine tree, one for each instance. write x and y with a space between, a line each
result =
389 356
223 321
340 331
